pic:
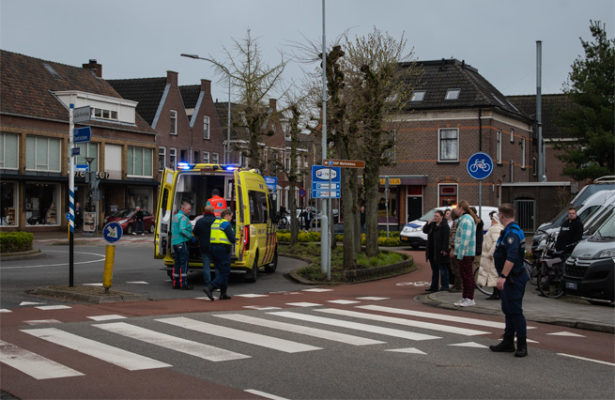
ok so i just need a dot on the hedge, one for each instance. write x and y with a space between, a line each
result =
12 242
284 237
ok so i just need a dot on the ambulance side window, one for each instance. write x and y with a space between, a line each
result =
257 214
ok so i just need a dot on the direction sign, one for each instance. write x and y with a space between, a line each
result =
479 165
82 114
82 135
112 232
271 182
82 167
344 163
326 182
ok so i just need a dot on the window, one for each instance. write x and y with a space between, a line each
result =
173 128
449 145
8 204
287 163
162 158
512 136
498 147
139 161
172 157
534 166
41 205
88 150
447 194
43 154
215 158
195 157
206 157
258 207
9 151
523 153
206 127
452 94
100 113
418 95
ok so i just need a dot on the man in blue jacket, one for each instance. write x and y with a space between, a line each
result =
202 231
221 243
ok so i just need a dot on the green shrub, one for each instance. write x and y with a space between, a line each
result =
11 242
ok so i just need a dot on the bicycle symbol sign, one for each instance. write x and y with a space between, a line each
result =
479 165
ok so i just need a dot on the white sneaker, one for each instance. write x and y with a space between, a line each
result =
134 233
460 302
468 302
143 234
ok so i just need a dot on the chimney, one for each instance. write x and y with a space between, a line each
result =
94 67
273 104
172 78
206 86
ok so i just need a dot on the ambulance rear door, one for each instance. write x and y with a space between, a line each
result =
166 193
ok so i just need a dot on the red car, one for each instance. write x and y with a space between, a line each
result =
126 218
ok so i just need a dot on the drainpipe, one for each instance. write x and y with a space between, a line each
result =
480 130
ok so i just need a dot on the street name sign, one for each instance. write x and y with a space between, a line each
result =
82 135
344 163
82 114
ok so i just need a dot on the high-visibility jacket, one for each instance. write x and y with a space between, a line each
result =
218 203
218 234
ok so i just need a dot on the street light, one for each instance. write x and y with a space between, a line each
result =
227 148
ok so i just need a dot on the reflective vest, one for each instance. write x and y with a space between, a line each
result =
218 236
218 203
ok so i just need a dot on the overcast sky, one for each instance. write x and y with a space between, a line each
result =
144 38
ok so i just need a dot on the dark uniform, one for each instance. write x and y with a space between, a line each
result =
511 247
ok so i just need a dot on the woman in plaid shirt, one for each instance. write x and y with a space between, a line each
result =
465 249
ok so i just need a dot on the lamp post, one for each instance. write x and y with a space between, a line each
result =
227 148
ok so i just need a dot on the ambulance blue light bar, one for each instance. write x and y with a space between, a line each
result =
183 166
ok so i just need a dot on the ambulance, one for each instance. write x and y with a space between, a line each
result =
246 195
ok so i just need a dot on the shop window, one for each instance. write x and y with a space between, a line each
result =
447 194
8 204
41 204
449 145
43 154
9 150
88 150
139 161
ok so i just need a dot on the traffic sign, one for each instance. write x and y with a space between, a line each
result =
479 165
82 114
82 167
326 182
271 182
344 163
82 135
112 232
302 192
76 151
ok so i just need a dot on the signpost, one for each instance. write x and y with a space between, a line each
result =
112 232
479 167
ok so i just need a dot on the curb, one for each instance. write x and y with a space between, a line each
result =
89 294
21 255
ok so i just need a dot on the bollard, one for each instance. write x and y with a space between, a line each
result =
108 272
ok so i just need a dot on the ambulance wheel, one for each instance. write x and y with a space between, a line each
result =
270 268
252 274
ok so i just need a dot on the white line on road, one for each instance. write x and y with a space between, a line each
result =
405 322
355 325
302 330
265 394
37 366
587 359
239 335
105 317
62 264
54 307
200 350
110 354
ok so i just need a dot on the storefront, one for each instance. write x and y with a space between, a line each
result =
42 203
9 210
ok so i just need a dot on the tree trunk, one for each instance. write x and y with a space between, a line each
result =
349 211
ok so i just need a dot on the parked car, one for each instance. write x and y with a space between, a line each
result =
126 219
412 233
589 271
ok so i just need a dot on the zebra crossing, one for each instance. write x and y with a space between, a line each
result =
208 336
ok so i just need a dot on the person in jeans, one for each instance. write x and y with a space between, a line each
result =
202 231
454 276
465 249
181 232
437 250
139 227
221 243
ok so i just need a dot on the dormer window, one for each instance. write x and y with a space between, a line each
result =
418 95
100 113
452 94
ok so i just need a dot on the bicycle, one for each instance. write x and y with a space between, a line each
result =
550 275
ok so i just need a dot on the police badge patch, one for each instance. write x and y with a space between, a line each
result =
510 240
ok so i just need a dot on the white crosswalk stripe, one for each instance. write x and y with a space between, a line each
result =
204 351
257 339
32 364
356 325
122 358
302 330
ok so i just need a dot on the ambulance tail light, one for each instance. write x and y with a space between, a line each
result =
246 237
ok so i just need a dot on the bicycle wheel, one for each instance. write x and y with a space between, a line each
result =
550 282
533 270
483 289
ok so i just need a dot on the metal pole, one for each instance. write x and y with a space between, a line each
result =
71 195
386 201
228 123
541 161
324 218
480 198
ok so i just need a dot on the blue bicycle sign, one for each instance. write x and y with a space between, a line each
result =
479 165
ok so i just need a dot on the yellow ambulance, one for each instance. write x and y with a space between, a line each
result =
246 194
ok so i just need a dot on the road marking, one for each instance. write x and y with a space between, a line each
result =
303 304
250 295
106 317
587 359
317 290
56 307
59 265
93 284
405 322
42 321
256 339
261 308
35 365
470 344
138 282
443 317
565 333
372 298
5 310
29 303
409 350
265 394
200 350
302 330
110 354
355 325
343 301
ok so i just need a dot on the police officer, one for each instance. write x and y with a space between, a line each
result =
221 240
508 257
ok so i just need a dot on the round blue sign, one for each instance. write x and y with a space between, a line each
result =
112 232
479 165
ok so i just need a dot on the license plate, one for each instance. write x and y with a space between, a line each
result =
571 285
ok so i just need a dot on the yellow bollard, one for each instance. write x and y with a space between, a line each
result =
108 272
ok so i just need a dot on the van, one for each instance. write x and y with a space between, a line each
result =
412 233
246 194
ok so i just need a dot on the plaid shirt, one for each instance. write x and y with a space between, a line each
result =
465 239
